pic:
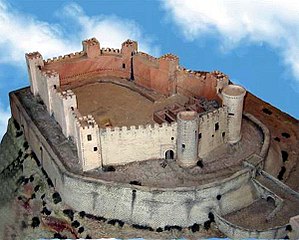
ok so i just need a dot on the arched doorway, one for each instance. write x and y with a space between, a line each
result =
169 154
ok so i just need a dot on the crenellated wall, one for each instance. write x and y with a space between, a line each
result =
93 61
124 145
197 84
97 147
158 74
212 131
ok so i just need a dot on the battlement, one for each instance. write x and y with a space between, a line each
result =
147 56
169 57
50 74
65 95
111 51
197 74
65 57
91 42
212 114
87 122
135 129
128 43
219 75
33 55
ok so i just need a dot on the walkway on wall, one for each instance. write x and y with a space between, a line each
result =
260 210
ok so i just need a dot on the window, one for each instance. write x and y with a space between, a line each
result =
89 138
217 126
199 136
231 114
183 146
223 134
95 149
124 65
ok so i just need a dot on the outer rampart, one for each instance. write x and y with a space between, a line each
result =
133 204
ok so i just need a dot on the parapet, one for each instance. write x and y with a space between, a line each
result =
233 91
197 74
91 47
64 57
87 122
130 44
164 127
50 74
212 114
33 55
187 116
65 94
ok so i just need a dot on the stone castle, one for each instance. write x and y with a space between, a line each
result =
128 136
187 138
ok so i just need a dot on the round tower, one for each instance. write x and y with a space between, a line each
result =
187 138
233 97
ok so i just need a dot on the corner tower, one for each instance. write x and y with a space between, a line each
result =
187 138
233 98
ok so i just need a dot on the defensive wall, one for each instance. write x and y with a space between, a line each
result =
162 74
155 207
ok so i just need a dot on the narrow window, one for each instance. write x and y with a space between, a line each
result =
199 136
183 146
124 65
231 114
223 134
95 149
89 137
217 126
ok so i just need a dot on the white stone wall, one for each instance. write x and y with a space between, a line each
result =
123 145
210 138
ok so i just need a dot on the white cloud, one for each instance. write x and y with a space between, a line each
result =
21 33
273 22
4 116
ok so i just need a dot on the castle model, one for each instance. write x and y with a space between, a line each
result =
128 136
179 132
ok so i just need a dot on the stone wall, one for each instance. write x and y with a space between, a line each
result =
157 74
123 145
212 131
154 207
197 84
233 231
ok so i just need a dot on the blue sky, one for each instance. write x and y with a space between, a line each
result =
255 42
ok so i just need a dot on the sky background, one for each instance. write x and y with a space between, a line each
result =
256 43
